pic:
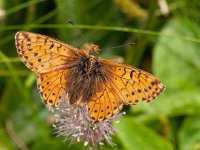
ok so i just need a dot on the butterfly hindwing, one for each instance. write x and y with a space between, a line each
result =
104 104
52 86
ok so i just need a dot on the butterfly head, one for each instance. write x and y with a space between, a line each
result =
90 46
94 47
94 54
92 51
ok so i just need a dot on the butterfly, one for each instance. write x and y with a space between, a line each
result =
87 79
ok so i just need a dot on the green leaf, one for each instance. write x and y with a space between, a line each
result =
136 136
189 134
180 103
177 62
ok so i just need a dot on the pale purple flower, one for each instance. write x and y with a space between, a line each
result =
74 123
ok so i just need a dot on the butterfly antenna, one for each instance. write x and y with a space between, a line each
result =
79 31
119 46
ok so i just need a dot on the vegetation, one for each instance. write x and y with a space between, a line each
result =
167 36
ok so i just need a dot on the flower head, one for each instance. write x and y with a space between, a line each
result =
74 122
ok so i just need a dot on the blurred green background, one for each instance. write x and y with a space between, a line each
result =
167 36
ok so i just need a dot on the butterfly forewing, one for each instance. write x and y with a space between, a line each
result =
41 53
105 103
134 84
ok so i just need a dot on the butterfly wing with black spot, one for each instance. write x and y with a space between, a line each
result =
105 103
123 85
133 84
52 86
50 59
41 53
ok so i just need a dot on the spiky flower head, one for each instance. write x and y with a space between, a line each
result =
74 123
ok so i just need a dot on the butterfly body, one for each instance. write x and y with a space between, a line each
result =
83 76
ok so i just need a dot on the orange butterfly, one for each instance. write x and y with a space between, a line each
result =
86 78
